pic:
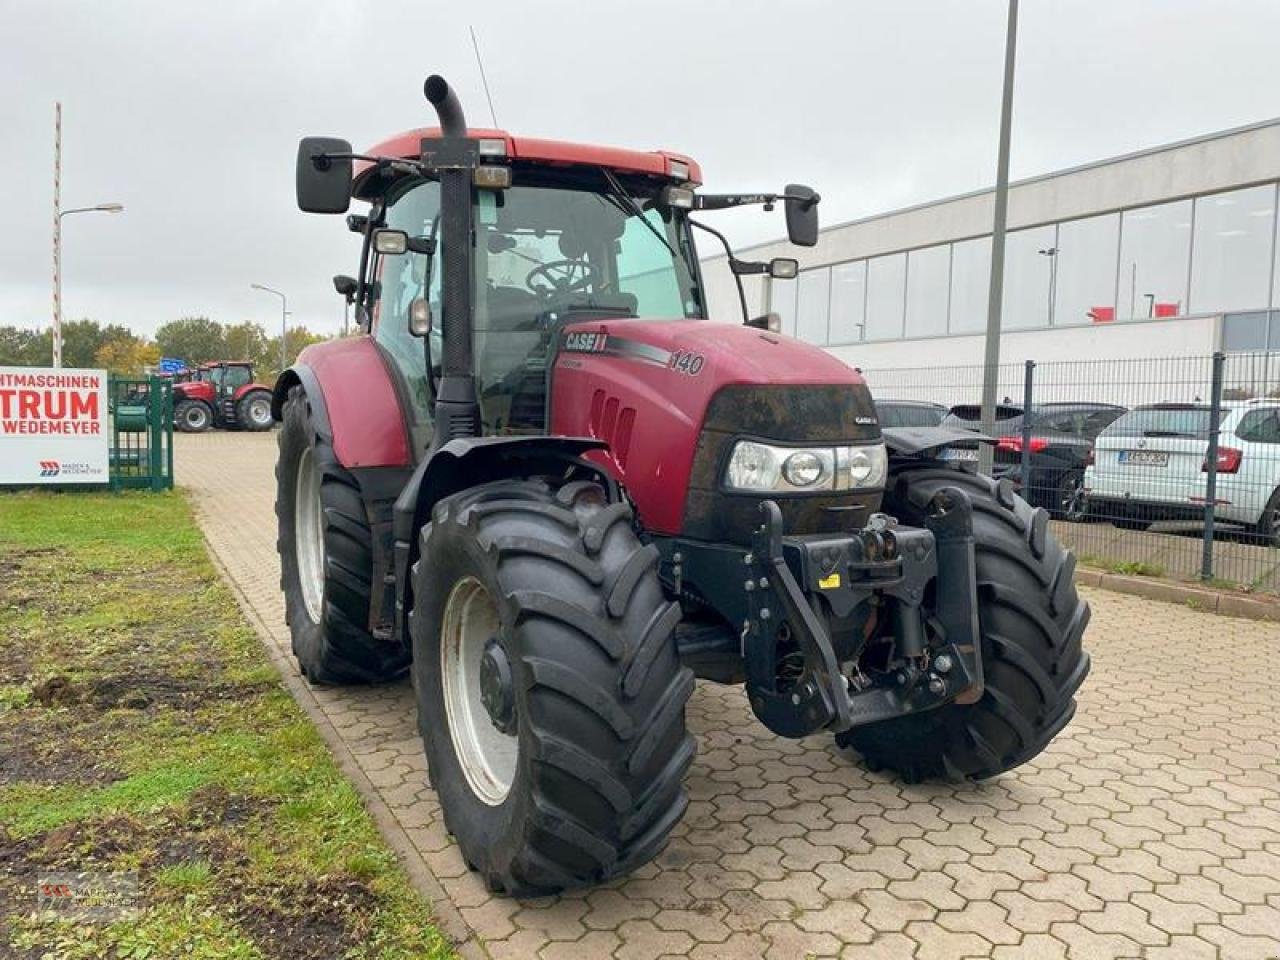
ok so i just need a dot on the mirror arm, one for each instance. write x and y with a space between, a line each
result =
728 250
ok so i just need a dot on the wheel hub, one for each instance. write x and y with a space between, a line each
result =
496 690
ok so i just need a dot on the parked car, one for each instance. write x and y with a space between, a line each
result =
909 413
1151 465
1061 447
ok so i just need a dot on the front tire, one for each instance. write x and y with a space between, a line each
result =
1268 526
550 696
192 416
253 412
326 559
1032 622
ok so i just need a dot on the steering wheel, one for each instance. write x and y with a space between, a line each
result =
562 276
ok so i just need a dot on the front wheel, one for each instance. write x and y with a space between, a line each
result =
550 696
1070 502
326 559
254 411
1031 622
1268 525
192 416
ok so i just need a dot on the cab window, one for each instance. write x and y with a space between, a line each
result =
403 279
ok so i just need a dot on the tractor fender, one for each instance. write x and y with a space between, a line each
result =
462 463
353 402
249 388
913 441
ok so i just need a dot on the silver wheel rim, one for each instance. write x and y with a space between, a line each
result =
196 418
486 754
1072 497
309 535
260 412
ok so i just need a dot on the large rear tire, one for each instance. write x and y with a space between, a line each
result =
326 559
1032 622
550 696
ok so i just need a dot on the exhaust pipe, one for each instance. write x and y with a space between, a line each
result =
448 109
457 409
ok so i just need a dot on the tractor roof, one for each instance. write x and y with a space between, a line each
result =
655 163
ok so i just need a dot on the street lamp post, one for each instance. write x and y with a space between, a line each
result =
284 320
57 266
1052 254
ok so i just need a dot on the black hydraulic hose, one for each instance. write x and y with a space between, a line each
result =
448 109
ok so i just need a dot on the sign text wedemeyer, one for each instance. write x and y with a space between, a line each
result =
53 425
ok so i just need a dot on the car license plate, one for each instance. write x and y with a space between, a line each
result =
1145 458
963 454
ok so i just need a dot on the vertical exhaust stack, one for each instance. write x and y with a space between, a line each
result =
457 409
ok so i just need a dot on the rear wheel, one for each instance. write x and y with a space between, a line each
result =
1069 501
1032 623
254 411
192 416
550 697
326 559
1268 525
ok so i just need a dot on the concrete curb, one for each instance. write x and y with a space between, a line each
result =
1205 599
446 915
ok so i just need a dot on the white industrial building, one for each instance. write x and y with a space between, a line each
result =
1168 252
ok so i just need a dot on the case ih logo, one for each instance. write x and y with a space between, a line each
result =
585 342
50 468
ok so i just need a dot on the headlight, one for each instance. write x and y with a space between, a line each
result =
763 467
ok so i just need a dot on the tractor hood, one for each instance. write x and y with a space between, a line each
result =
667 395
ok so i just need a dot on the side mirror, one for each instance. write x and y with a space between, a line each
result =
784 268
390 243
323 182
802 215
771 322
419 317
345 285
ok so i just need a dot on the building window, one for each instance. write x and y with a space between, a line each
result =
813 298
1028 261
970 285
1083 271
928 285
1250 331
782 301
849 302
1155 244
1231 253
886 289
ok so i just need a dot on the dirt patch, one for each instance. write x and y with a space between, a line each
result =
140 690
41 748
307 924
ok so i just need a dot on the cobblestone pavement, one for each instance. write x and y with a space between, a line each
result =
1150 829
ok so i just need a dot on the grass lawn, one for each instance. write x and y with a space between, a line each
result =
144 734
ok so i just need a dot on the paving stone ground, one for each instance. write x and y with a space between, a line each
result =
1151 829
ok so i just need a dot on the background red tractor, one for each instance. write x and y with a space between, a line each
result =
221 394
551 489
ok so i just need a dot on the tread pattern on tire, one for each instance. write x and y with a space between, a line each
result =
340 649
1032 622
600 686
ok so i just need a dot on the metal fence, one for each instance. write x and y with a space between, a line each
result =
1163 466
141 413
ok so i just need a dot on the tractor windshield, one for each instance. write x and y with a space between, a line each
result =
551 251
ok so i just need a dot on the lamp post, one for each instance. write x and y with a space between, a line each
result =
1052 254
284 320
57 265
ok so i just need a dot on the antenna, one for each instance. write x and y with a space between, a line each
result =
483 79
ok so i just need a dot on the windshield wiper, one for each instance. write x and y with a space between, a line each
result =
629 204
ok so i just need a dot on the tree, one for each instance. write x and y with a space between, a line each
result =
20 347
83 338
127 356
247 341
193 339
267 370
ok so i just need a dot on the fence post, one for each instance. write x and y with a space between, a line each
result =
1024 474
1211 466
155 407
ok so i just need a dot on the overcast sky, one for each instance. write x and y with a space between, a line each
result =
189 114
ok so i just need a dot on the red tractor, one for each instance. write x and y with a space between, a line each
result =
549 487
222 395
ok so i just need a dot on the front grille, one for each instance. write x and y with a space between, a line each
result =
820 414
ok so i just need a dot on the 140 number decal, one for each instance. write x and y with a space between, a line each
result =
682 361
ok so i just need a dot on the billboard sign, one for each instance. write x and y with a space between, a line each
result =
172 365
53 426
